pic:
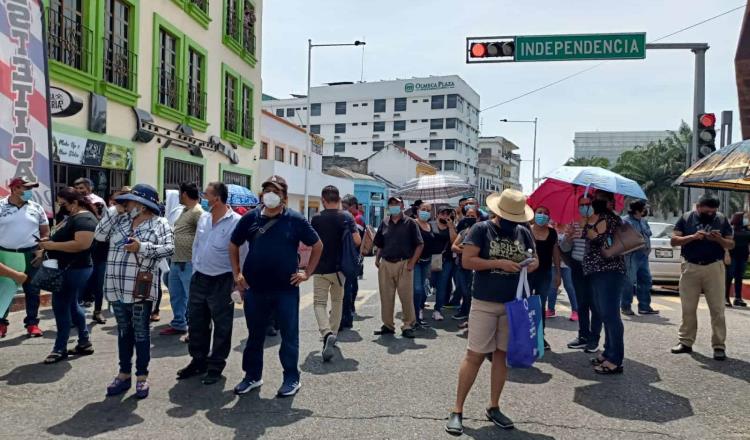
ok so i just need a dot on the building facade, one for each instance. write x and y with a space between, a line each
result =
282 152
398 165
436 118
611 144
170 90
499 167
370 192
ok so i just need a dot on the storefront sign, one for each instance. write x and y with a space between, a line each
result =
62 103
76 150
24 119
423 87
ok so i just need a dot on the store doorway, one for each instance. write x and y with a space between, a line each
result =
106 181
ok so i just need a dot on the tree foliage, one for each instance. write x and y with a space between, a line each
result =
601 162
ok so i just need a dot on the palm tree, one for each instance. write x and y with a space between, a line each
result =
601 162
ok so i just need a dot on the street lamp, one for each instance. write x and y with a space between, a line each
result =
308 162
533 161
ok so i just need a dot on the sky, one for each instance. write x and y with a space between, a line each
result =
409 38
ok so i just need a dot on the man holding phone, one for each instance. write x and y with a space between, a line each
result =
703 234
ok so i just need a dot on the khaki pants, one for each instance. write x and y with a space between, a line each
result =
394 277
708 279
322 285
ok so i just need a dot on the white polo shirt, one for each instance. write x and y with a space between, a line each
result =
20 226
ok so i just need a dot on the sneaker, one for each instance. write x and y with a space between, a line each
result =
119 386
141 389
328 342
550 314
33 331
577 343
98 318
648 311
3 330
627 311
460 316
185 338
421 324
155 317
437 316
498 418
191 370
728 303
574 316
720 354
408 333
455 424
172 331
463 325
681 348
591 348
384 330
740 303
289 389
246 385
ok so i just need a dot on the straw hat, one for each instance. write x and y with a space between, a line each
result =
510 205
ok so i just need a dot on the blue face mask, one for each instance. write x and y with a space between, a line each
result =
424 215
394 210
204 204
585 210
541 219
27 195
471 207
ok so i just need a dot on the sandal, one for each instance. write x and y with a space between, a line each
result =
597 361
603 369
82 350
55 357
97 318
155 317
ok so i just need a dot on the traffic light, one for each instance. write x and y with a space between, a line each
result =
706 134
493 49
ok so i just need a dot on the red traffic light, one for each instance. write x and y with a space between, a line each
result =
707 119
478 50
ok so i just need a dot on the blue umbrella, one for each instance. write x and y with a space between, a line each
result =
598 178
241 196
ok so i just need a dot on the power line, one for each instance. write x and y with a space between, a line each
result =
580 72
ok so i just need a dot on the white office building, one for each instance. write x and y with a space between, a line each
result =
437 118
499 167
611 144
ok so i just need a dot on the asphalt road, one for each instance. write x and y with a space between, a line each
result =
387 388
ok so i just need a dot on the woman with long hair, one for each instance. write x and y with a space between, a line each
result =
548 251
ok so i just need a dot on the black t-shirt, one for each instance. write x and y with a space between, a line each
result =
434 241
82 222
702 251
398 240
330 225
544 250
495 243
442 241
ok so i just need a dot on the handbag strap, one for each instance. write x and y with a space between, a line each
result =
523 284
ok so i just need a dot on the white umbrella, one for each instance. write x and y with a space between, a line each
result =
434 187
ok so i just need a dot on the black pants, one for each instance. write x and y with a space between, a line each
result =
210 305
735 272
589 323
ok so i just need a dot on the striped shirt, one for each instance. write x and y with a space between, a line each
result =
578 248
157 242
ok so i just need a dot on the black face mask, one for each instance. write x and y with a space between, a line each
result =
600 206
469 221
507 226
706 218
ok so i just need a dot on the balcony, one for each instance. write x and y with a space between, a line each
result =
247 126
120 64
69 42
201 4
169 88
230 117
196 102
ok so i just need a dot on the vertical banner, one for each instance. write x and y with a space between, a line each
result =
24 115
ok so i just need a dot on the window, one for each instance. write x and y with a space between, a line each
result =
289 112
425 120
413 121
233 178
414 101
279 154
247 113
339 147
378 126
450 165
178 171
355 105
401 144
315 109
436 124
315 129
450 123
169 82
414 141
196 93
280 112
399 125
438 164
248 28
239 28
364 123
341 108
230 104
438 102
355 143
68 35
264 150
452 100
340 128
293 158
120 63
399 105
364 104
378 145
355 124
436 144
379 106
231 19
450 144
237 109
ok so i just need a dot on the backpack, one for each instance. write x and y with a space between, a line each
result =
349 253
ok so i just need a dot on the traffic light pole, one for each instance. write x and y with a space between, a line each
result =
699 103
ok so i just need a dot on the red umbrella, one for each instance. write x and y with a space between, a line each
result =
561 198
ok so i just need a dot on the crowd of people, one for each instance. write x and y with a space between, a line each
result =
211 256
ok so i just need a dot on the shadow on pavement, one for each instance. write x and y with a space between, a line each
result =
362 317
270 341
629 396
37 373
252 415
648 319
561 324
184 394
97 418
163 346
532 376
731 367
492 432
349 335
339 364
18 340
398 345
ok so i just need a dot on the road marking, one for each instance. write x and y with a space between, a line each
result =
676 299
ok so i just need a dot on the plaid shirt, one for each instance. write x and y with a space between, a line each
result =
157 242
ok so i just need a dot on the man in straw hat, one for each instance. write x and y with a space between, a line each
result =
494 249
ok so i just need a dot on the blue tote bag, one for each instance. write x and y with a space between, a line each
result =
525 339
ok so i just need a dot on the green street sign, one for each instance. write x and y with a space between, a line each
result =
627 46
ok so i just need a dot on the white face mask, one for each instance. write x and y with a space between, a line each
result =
271 200
134 212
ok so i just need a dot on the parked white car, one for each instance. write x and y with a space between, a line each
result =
664 260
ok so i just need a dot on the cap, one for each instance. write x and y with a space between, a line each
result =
445 208
277 181
394 199
22 181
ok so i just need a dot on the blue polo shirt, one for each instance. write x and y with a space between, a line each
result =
272 255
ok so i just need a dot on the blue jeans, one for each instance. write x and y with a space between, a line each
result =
259 307
463 285
607 304
539 282
589 323
133 325
638 279
735 272
444 284
95 285
567 280
421 276
31 295
351 286
67 310
179 288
